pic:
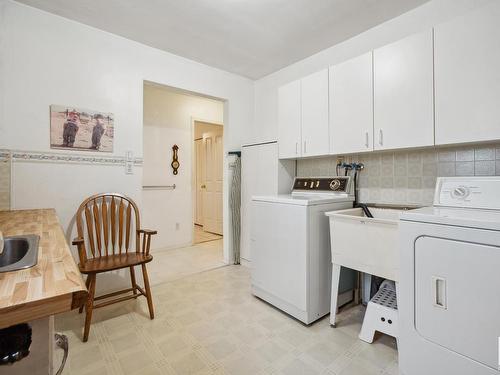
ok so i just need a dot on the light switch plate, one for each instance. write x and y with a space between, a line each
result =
129 156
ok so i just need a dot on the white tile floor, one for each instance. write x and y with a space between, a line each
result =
172 264
209 323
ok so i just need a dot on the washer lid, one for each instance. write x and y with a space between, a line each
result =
305 200
462 217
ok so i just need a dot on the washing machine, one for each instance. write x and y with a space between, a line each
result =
449 288
290 246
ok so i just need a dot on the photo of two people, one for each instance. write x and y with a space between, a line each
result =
81 129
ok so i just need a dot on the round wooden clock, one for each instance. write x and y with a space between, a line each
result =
175 162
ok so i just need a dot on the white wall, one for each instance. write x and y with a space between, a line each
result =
421 18
167 121
46 59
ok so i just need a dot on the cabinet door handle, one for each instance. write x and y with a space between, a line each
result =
381 137
305 147
296 148
367 141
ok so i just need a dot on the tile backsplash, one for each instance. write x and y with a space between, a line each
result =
409 177
4 183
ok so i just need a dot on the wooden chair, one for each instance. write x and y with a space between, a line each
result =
106 223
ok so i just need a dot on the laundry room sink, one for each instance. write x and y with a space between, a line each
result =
366 244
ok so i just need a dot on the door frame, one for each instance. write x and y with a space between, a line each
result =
194 120
176 86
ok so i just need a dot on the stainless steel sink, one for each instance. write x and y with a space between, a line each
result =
19 252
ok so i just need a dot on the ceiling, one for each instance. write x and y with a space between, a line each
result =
251 38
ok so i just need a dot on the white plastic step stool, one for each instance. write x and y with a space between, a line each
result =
381 313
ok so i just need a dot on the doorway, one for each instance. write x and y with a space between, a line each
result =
168 196
207 181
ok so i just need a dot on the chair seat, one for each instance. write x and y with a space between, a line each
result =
114 262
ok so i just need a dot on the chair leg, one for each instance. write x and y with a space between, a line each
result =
89 307
148 291
132 279
87 283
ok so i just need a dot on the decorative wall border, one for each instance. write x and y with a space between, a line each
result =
4 155
70 158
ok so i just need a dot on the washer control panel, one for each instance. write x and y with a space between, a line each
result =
322 184
473 192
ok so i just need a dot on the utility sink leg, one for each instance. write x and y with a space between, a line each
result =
335 293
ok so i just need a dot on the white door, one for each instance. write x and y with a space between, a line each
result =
199 181
456 297
403 93
315 137
289 120
351 105
212 192
467 70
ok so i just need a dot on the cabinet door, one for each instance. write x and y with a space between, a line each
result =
403 93
315 138
467 70
289 103
351 105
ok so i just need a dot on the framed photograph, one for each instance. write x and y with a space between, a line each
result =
81 129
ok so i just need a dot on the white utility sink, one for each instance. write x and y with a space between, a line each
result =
366 244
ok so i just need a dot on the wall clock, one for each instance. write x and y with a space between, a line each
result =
175 162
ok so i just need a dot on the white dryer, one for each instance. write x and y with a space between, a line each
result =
290 245
449 290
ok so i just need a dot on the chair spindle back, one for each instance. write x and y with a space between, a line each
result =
108 223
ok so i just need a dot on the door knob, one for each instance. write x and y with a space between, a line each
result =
203 186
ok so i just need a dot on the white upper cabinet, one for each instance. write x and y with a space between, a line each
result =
303 117
315 139
289 120
403 93
467 77
351 105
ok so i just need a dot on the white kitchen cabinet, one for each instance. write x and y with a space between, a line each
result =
289 120
314 95
351 105
467 77
403 93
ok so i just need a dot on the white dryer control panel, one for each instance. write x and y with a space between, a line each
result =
468 192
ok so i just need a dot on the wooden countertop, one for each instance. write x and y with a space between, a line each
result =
54 285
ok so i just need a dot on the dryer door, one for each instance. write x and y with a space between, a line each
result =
457 297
